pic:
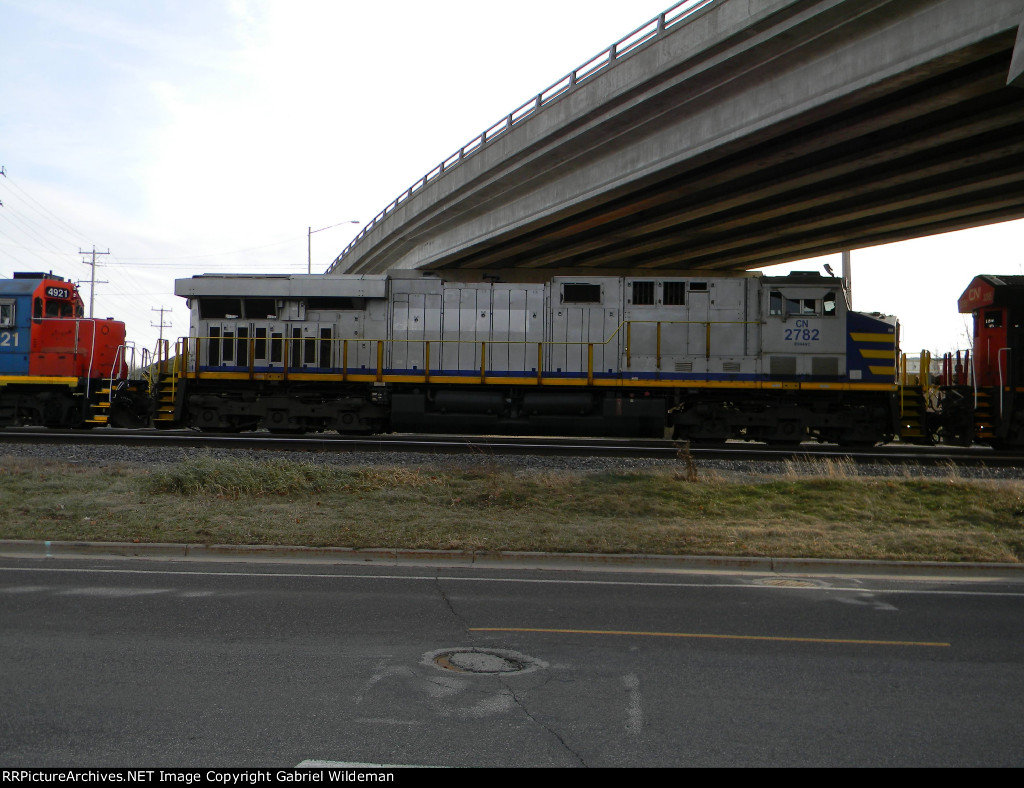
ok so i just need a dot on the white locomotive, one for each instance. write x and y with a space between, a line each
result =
777 359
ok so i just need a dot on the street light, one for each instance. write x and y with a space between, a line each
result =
309 242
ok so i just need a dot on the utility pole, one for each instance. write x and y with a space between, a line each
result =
162 325
848 278
309 241
92 279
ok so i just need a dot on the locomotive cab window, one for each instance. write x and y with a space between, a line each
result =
779 304
994 319
581 294
828 305
6 314
59 309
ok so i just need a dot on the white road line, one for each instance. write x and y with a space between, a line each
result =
537 581
357 765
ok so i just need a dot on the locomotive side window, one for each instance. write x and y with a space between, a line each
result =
581 294
643 293
994 319
6 314
775 303
829 304
37 309
330 304
220 308
675 293
261 308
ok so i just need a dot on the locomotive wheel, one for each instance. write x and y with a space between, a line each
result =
788 432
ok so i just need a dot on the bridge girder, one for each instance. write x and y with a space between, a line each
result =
730 143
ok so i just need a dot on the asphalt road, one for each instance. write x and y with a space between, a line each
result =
151 663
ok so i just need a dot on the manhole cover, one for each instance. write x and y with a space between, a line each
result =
788 582
482 661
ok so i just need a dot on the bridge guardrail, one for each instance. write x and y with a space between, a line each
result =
609 56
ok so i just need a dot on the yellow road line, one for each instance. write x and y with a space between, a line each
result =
712 637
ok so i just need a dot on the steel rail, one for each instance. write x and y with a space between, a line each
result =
491 445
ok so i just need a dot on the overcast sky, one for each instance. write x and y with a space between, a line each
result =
202 136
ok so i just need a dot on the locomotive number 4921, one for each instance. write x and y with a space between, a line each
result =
8 339
58 292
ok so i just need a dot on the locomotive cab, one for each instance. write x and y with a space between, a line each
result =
996 304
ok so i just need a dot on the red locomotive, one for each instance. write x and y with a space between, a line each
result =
59 368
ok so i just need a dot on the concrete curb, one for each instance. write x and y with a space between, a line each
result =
15 548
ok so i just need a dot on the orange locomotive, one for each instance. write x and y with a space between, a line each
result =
59 368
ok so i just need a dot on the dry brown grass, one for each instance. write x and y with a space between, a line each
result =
820 509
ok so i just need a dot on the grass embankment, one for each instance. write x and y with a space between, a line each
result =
822 509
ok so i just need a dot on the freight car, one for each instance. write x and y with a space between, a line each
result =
59 368
774 359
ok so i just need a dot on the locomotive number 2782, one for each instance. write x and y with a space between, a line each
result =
8 339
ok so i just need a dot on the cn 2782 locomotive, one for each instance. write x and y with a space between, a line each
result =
58 368
776 359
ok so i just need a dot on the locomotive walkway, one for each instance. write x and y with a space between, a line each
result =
731 134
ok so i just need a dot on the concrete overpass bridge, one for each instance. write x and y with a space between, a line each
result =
732 134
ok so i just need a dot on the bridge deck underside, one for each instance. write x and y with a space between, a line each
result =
942 152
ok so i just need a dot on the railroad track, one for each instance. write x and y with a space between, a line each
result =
460 444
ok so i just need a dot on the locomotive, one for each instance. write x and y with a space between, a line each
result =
703 358
775 359
59 368
981 397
